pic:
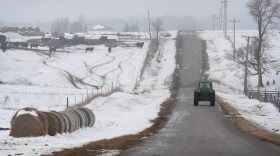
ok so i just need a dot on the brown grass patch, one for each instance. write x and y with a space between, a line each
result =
246 126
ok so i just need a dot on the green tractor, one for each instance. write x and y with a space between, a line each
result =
204 92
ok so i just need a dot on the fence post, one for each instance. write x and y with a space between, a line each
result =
278 98
75 100
87 93
265 96
82 97
67 102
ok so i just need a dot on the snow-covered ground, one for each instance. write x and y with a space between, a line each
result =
37 80
228 78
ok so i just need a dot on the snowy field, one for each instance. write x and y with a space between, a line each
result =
34 79
228 78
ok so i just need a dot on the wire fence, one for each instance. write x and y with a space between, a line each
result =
265 96
72 98
17 100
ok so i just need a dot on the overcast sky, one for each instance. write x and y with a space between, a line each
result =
45 10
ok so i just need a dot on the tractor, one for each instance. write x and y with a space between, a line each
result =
204 92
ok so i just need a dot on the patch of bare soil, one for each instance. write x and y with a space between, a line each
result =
246 126
123 142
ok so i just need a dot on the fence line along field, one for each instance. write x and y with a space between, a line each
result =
106 81
34 79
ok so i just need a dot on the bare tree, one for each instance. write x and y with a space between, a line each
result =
157 25
61 25
267 61
265 13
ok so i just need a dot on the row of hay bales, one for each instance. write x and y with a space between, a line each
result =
30 122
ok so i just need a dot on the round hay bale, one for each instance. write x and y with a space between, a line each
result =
71 119
76 119
61 126
66 122
82 117
28 124
90 116
52 124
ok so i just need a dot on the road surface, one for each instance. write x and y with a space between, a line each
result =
202 130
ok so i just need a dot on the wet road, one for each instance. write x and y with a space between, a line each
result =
198 131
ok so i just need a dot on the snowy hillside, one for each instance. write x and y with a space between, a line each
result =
228 78
31 78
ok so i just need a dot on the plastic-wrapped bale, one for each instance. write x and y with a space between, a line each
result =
82 116
29 122
76 118
90 116
72 120
52 124
66 122
60 121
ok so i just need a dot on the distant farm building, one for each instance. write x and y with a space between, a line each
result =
101 27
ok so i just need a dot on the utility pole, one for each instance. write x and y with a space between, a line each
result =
221 18
213 16
246 64
225 16
217 21
234 26
149 19
1 22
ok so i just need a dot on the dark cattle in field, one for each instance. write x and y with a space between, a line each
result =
103 38
109 49
52 49
35 45
139 44
89 49
15 44
46 40
24 45
2 38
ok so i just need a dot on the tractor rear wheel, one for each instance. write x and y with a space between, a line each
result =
212 101
195 102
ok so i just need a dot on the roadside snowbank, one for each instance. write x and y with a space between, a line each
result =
228 82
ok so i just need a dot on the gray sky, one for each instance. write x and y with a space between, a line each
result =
45 10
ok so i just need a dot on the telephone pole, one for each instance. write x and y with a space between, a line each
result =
224 2
221 18
246 64
215 21
213 16
234 21
149 19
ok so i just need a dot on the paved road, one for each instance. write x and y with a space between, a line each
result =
198 131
